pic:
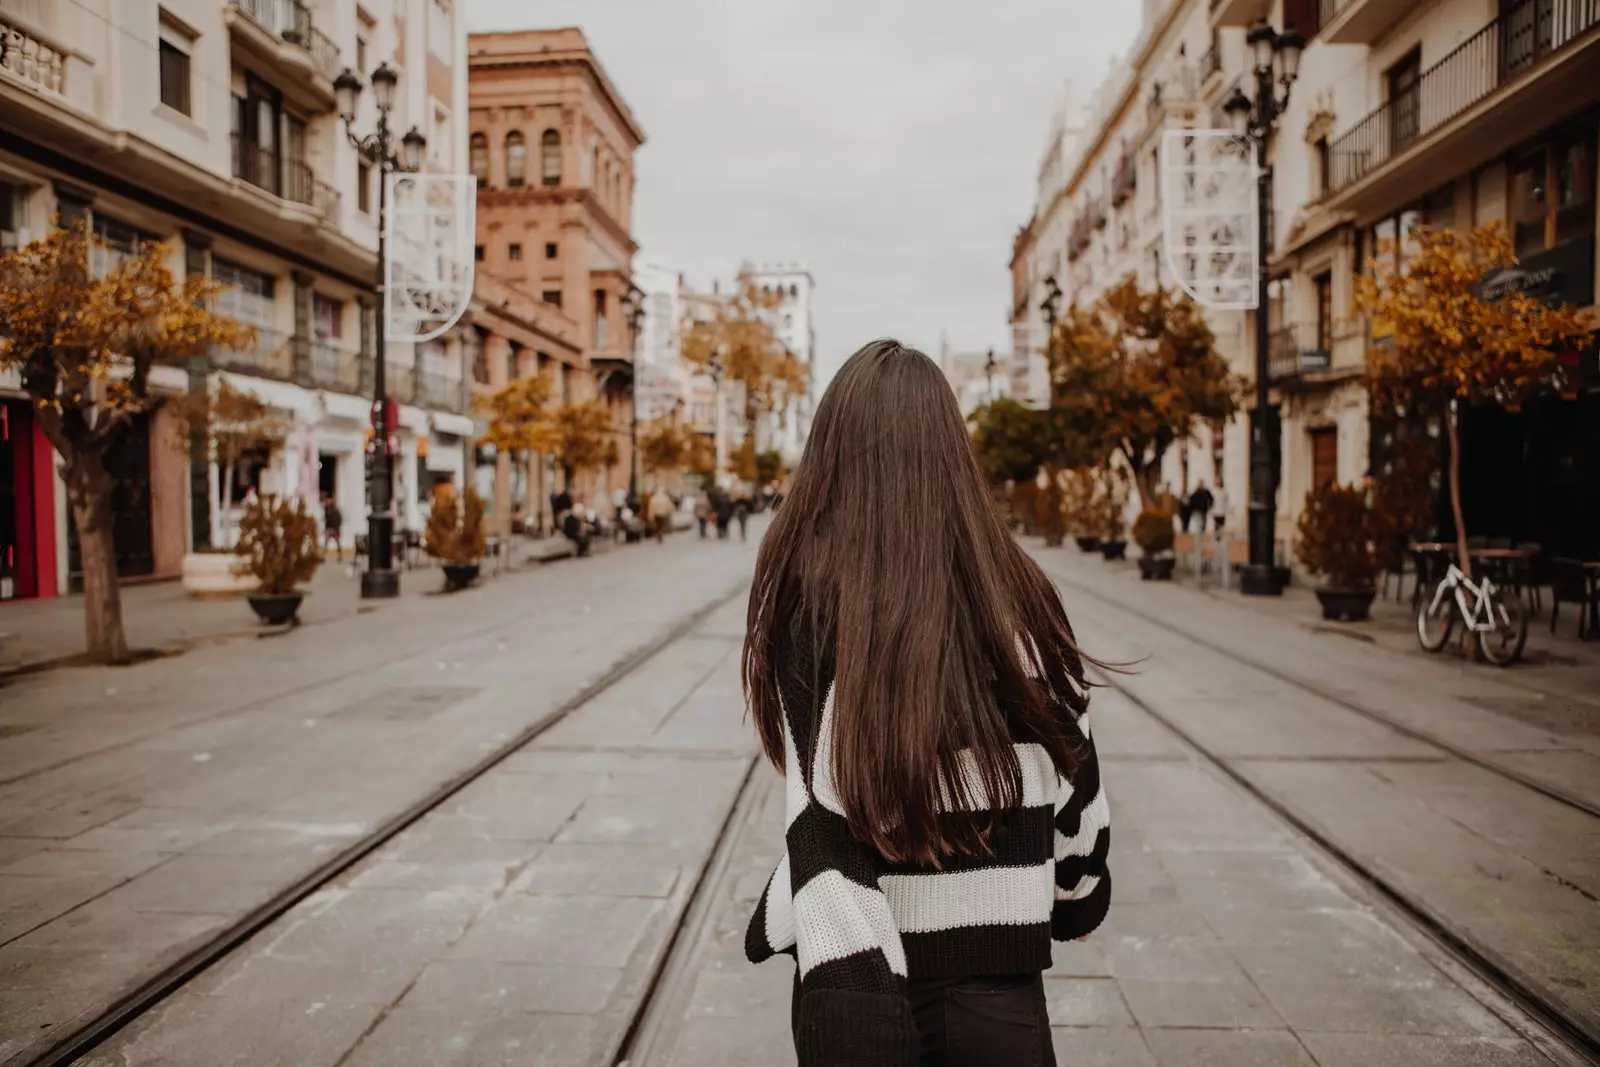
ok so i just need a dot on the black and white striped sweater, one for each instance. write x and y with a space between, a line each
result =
860 926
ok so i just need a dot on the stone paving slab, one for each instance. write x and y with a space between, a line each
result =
1229 943
519 923
193 789
1510 871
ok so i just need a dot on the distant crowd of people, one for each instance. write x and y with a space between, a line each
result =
716 509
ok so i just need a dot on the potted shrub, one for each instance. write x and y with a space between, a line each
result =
1153 533
1337 540
279 548
1077 508
455 535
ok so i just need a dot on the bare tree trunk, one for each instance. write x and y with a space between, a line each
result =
89 493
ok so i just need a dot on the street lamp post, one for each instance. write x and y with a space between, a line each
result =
380 579
1277 62
988 375
633 305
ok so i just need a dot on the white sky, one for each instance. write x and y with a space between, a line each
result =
892 145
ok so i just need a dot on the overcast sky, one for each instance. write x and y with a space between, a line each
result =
891 145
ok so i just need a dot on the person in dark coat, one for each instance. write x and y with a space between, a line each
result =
724 505
1200 502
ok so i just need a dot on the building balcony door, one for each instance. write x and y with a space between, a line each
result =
1324 456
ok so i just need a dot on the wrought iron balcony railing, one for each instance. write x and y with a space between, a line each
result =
31 61
1295 350
335 367
291 21
269 355
1522 38
289 178
440 391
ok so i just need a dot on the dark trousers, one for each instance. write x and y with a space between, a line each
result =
703 520
988 1021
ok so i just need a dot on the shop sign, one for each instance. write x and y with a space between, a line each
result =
1563 275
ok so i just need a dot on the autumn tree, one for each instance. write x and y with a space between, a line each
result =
1009 440
738 342
1133 374
83 341
664 445
519 416
231 422
1455 338
581 438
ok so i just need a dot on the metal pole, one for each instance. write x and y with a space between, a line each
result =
1259 577
633 426
380 579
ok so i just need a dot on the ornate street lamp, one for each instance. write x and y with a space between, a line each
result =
380 579
633 306
988 374
1277 63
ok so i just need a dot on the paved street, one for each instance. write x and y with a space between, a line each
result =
585 899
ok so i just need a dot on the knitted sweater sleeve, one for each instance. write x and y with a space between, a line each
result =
1083 838
853 1010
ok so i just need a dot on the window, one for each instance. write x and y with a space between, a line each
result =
327 318
600 322
1322 284
13 217
246 294
478 356
477 253
479 158
175 46
550 157
364 188
516 159
1552 193
1404 81
551 250
118 241
366 30
439 36
514 252
1324 166
551 296
361 51
513 351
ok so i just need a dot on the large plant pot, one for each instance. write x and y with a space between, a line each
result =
1088 544
1346 605
211 576
276 609
459 576
1156 569
1114 549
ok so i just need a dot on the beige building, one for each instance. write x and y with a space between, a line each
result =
1446 112
551 142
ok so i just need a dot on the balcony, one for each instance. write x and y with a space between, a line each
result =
280 35
31 61
1238 12
268 356
1529 68
1359 21
334 367
1295 351
289 179
440 391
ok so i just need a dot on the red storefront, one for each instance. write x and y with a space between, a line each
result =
27 505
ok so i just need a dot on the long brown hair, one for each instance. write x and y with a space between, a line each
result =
943 635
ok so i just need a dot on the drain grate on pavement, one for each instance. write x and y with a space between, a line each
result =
1556 714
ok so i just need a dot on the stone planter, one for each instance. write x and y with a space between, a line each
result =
210 576
1156 569
276 609
1114 549
1346 605
458 576
1088 544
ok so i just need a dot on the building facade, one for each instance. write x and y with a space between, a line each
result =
795 329
551 142
1451 113
211 127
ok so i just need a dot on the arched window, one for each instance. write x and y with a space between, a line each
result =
516 159
480 158
550 157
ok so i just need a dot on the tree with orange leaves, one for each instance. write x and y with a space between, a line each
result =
739 344
1132 375
581 437
519 416
84 342
1454 340
664 445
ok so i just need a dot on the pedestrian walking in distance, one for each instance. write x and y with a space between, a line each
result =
702 513
724 506
661 508
332 527
1200 504
913 674
741 512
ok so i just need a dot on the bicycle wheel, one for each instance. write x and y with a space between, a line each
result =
1436 617
1502 646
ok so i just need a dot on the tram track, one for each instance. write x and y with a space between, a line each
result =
1575 1033
83 1038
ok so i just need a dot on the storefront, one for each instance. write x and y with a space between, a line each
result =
27 505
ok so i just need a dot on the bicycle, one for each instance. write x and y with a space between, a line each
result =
1495 615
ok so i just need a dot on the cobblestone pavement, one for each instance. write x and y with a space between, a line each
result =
143 809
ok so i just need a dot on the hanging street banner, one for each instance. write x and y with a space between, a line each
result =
1208 209
429 263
